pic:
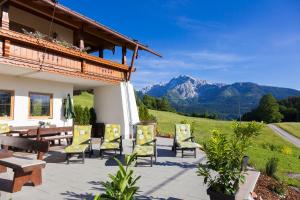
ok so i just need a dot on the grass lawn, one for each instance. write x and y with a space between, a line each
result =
85 100
264 146
291 127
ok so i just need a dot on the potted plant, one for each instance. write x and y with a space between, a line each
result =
122 185
222 172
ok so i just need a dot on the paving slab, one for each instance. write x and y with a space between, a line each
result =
170 178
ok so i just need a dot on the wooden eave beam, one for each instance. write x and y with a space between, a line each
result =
44 13
96 41
135 53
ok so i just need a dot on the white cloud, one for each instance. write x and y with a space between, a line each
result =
175 3
287 40
217 57
194 24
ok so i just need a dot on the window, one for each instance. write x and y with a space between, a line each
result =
40 105
6 104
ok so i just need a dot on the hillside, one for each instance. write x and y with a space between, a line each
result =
265 146
85 100
188 95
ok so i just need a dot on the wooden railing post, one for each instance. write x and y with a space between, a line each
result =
6 48
83 66
5 16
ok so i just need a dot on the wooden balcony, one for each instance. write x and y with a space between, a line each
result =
42 55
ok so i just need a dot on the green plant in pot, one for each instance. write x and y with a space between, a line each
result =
222 172
123 184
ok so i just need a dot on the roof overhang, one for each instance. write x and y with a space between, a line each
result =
77 21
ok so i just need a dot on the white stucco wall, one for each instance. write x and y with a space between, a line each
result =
39 24
22 86
116 104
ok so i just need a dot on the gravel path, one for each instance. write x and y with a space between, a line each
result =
285 135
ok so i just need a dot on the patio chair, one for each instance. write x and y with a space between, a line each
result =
81 143
183 140
144 144
4 129
112 140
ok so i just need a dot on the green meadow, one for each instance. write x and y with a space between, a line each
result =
291 127
264 146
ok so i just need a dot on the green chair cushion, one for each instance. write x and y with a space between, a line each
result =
188 145
182 132
80 148
112 132
81 134
81 137
4 128
110 145
143 150
145 134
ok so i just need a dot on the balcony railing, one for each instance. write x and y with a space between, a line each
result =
39 54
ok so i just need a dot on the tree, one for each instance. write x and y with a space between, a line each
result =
268 109
144 114
164 105
149 102
290 108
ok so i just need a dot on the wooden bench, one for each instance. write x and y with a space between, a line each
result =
4 154
26 170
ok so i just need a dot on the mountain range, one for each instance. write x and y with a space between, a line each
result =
228 101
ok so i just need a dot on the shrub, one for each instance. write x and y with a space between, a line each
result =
82 115
279 188
86 116
224 156
287 151
272 147
78 114
122 185
271 167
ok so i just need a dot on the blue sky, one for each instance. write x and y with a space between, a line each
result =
219 41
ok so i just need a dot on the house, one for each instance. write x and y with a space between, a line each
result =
44 57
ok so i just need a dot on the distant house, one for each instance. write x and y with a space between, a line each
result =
44 57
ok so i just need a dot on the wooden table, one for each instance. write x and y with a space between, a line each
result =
52 134
48 134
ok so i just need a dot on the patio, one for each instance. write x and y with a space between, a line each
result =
170 178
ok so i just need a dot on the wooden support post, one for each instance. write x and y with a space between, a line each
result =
79 38
101 53
124 59
81 45
135 53
5 16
